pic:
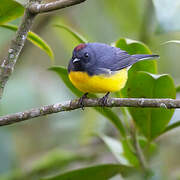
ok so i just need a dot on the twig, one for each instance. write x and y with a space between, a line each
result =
71 105
33 8
46 7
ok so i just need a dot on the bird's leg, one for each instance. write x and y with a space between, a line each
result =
103 100
80 102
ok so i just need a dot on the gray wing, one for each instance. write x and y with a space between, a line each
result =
115 59
111 59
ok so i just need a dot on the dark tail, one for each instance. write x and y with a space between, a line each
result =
145 56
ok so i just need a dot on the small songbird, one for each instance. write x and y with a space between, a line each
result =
100 68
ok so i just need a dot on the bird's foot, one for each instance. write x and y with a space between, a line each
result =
81 99
103 100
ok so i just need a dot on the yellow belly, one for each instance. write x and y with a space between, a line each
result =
98 83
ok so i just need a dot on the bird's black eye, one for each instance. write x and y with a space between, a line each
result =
86 55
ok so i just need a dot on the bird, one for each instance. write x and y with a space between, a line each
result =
101 68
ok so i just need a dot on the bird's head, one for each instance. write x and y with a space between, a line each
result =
83 58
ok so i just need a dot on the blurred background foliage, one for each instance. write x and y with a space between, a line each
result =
65 141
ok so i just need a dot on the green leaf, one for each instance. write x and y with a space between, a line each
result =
10 10
119 149
108 113
50 163
63 74
178 89
151 121
140 84
123 149
171 41
98 172
77 36
35 39
136 47
171 127
54 161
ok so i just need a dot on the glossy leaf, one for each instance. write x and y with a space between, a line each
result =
73 33
151 121
98 172
108 113
10 10
35 39
136 47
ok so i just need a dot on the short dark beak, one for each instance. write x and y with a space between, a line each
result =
75 60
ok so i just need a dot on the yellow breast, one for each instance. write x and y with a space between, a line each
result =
99 83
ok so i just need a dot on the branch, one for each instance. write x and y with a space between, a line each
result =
8 63
46 7
71 105
33 8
